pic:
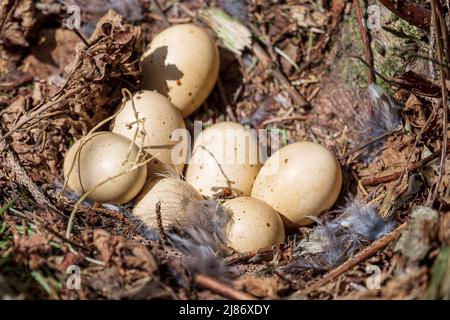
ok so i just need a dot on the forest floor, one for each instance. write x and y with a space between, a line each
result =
302 74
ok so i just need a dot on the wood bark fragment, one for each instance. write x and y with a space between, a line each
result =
410 12
12 165
221 288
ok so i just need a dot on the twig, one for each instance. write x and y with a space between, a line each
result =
12 164
245 257
22 80
81 37
159 222
358 258
366 43
373 181
36 111
172 20
265 59
160 12
45 226
221 288
226 103
364 145
445 39
439 40
282 119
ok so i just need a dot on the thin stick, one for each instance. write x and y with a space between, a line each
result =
366 43
244 257
81 37
364 145
373 181
437 26
282 119
358 258
264 57
159 222
160 12
221 288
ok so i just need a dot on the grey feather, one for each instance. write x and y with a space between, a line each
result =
201 234
383 121
332 242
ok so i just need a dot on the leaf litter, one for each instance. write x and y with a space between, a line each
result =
46 103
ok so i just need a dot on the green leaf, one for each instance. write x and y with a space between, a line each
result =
8 206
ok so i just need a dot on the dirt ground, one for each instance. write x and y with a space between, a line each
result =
303 73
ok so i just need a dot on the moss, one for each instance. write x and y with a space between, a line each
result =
353 71
394 48
408 29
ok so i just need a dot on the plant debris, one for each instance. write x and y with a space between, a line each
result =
286 66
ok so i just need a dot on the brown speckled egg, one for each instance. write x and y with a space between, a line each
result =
301 179
104 155
225 156
182 63
174 194
253 225
159 118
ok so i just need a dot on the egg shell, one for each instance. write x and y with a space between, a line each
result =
174 195
301 179
182 63
104 155
225 156
253 225
160 120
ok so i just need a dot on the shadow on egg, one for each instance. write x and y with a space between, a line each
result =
156 64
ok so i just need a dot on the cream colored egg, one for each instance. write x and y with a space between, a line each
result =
175 196
253 225
182 63
225 156
102 156
301 179
159 122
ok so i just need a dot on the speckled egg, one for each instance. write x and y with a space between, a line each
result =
159 119
175 196
301 179
253 225
102 156
182 63
225 157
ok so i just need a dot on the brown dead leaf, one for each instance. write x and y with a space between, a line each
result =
19 23
31 250
413 112
259 287
50 57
